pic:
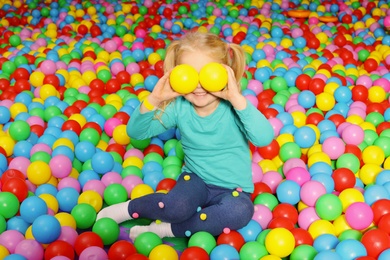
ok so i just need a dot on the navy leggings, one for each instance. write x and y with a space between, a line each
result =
193 206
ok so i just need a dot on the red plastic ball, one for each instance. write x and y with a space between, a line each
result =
97 84
233 238
317 86
359 93
166 184
20 73
52 80
302 237
287 211
194 253
270 151
121 250
314 118
375 241
122 116
17 186
72 125
382 126
113 86
137 257
59 248
384 223
343 179
87 239
370 65
281 222
38 130
380 208
10 174
302 82
21 85
93 125
337 119
70 110
154 148
260 187
117 148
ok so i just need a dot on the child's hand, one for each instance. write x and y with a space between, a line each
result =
232 91
162 91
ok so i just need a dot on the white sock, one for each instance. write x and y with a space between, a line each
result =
118 212
162 229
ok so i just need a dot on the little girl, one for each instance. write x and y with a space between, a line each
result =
213 192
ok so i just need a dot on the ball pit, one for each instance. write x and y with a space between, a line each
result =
72 73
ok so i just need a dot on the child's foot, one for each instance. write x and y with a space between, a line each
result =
118 212
161 229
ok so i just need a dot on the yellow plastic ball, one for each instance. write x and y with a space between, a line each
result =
8 144
17 108
376 94
136 79
267 165
133 161
38 172
141 190
63 142
51 201
47 91
280 242
320 227
368 173
120 135
325 101
153 58
270 257
285 138
184 79
28 234
349 196
92 198
318 157
3 252
163 252
36 78
386 164
79 118
340 224
66 219
373 154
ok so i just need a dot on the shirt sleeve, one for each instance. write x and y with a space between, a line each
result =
146 125
255 125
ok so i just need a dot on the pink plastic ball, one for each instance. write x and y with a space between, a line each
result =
306 217
30 249
386 21
254 101
130 181
61 166
69 182
299 175
35 120
382 82
255 85
276 124
19 163
68 234
41 147
292 163
110 46
110 125
353 134
60 257
262 215
110 178
272 179
359 215
10 239
48 67
257 173
364 80
134 152
117 67
95 185
93 252
334 147
311 191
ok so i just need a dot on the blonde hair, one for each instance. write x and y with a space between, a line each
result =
230 54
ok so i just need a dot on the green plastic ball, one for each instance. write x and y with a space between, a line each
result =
107 229
84 215
328 207
253 250
19 130
91 135
203 240
145 243
9 204
303 252
115 193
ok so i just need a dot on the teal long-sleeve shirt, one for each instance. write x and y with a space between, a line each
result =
216 147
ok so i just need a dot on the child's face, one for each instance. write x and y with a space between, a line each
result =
202 100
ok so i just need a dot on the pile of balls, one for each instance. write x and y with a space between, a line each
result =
72 73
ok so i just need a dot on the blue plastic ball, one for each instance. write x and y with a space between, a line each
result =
250 231
305 137
46 229
84 151
67 198
325 242
31 208
224 251
306 99
288 191
351 249
102 162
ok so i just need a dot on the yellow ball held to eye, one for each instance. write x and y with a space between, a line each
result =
184 79
213 77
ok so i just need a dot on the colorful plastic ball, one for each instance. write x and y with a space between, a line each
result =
84 151
375 241
107 229
59 248
353 134
302 237
343 179
61 166
93 252
115 193
232 238
31 208
163 252
250 231
141 190
359 215
9 204
328 207
288 192
334 147
102 162
19 130
280 242
253 250
121 250
145 242
213 77
184 79
84 215
203 240
303 252
87 239
224 252
16 186
311 191
194 252
46 229
351 249
38 172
